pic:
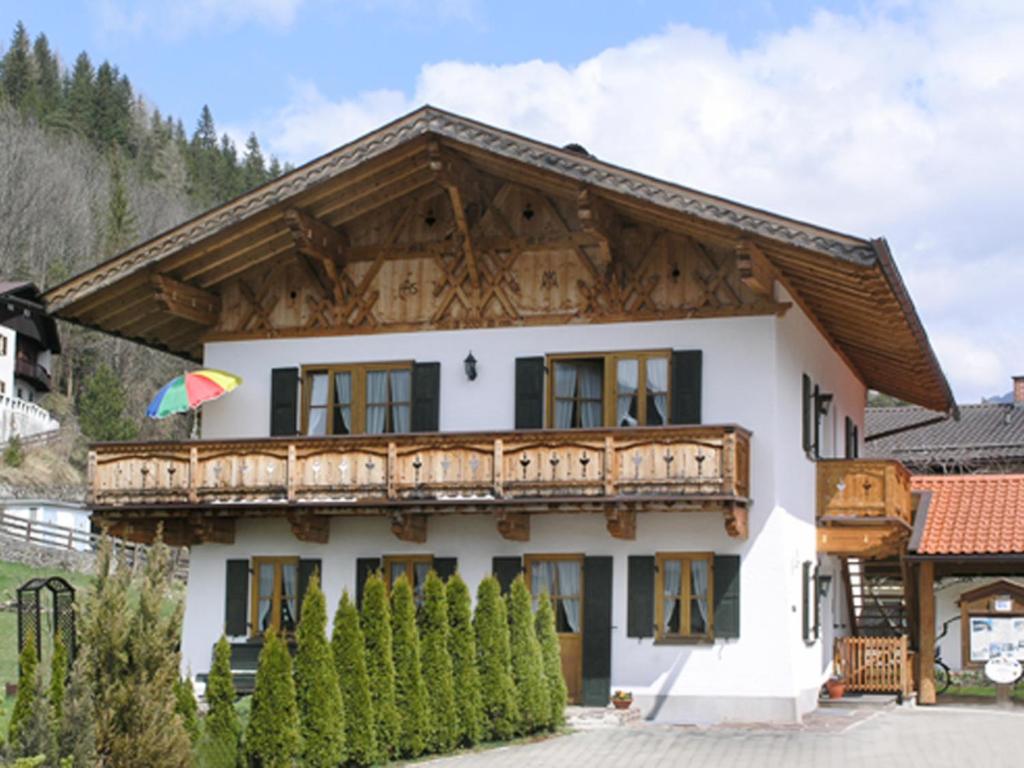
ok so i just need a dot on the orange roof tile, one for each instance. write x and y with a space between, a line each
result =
972 514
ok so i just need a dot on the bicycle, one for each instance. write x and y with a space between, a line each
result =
943 677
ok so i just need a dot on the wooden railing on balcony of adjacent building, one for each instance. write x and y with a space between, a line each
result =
617 471
865 507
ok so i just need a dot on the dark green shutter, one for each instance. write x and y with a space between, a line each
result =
426 397
505 570
236 603
806 409
284 401
529 392
306 570
687 375
727 596
849 438
640 597
445 566
597 630
364 567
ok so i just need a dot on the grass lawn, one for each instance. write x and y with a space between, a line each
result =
982 692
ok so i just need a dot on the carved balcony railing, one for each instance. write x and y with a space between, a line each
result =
669 465
865 507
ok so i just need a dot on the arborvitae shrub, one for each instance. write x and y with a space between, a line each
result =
220 745
28 692
409 689
36 735
527 668
380 663
187 707
497 691
58 680
273 737
466 677
316 685
77 733
551 656
442 721
349 650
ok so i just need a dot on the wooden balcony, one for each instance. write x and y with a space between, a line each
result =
865 507
617 471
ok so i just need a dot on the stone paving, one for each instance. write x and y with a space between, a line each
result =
960 737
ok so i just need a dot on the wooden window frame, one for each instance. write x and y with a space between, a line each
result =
254 581
409 561
609 390
359 372
685 597
529 560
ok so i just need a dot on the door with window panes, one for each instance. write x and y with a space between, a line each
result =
561 578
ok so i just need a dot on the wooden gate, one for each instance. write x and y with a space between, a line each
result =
874 664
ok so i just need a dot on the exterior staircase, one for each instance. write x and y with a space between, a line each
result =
877 598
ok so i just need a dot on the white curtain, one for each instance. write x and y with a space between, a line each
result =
266 596
657 389
317 405
569 584
376 401
590 393
401 398
343 403
289 596
542 580
565 391
699 589
672 582
627 381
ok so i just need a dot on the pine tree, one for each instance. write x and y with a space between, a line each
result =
77 733
120 229
58 679
321 711
80 95
254 171
527 667
102 405
273 737
204 160
497 690
28 692
551 656
442 720
18 80
274 169
409 688
380 664
466 677
349 650
186 706
47 72
220 745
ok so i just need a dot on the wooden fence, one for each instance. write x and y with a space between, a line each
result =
63 537
874 664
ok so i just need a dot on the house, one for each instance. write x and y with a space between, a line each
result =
28 341
466 349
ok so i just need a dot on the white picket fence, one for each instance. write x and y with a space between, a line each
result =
24 419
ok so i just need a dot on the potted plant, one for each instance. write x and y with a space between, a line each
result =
835 687
622 699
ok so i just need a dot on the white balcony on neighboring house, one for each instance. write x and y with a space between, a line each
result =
24 419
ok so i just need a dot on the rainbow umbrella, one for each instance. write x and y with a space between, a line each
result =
189 391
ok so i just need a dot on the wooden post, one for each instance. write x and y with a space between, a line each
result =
611 474
193 474
926 632
292 478
391 471
499 468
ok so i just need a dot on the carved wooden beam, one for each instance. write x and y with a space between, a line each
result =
315 238
514 526
621 523
756 272
410 527
186 301
212 530
736 521
316 529
595 220
441 166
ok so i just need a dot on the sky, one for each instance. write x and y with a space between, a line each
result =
895 118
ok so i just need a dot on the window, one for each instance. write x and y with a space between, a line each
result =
373 398
558 576
414 567
683 596
275 593
624 389
3 346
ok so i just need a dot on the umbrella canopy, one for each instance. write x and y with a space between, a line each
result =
188 391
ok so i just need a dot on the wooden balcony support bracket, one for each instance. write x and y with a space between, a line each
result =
737 519
185 301
411 527
514 526
315 529
756 272
211 530
595 220
323 244
621 522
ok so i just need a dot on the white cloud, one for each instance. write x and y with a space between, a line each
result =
904 120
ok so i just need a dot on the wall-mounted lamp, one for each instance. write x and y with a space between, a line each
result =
824 585
822 402
470 365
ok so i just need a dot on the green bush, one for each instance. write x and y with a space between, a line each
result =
187 707
36 735
380 664
409 688
497 690
527 667
462 648
77 735
316 685
273 738
220 745
442 722
551 656
58 679
349 650
14 453
28 692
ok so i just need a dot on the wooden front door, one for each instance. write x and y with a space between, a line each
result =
561 578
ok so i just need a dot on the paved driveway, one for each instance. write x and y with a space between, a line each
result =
955 737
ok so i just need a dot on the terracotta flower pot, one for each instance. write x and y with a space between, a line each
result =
835 688
622 703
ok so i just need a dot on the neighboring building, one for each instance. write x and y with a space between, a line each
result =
466 349
28 342
58 516
987 437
